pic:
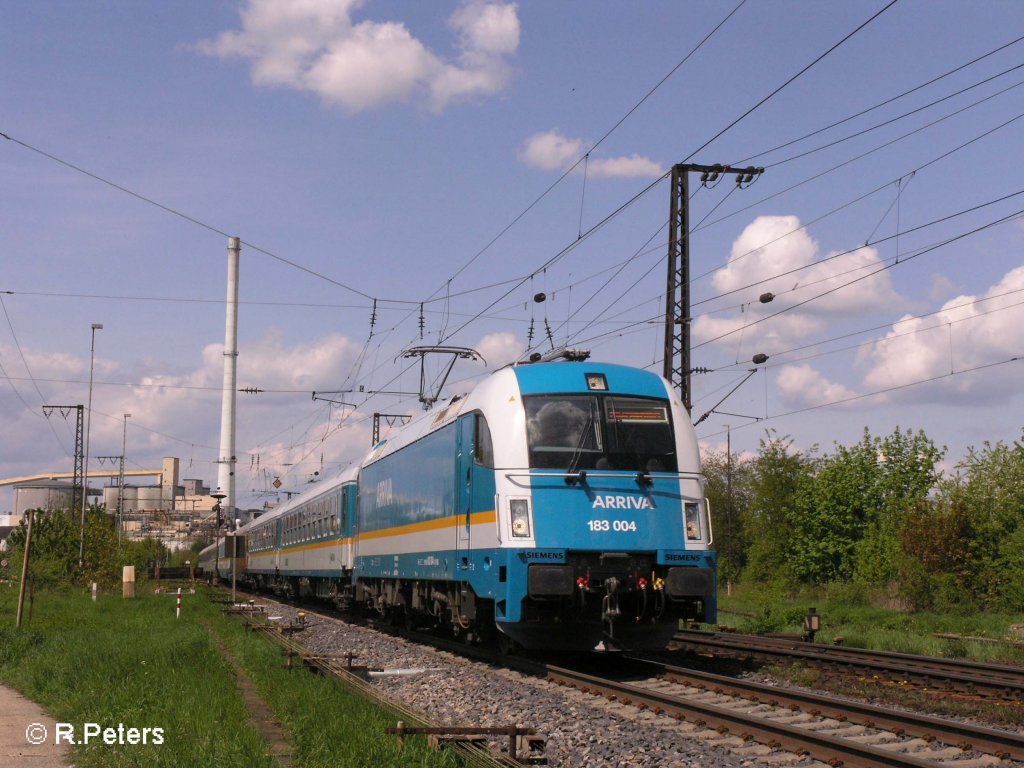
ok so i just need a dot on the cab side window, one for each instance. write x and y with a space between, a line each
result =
483 448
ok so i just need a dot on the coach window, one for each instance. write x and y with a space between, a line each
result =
483 447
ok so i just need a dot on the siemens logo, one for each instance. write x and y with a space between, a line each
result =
543 555
672 557
622 502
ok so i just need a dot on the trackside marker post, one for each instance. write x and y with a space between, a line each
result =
177 612
94 591
128 582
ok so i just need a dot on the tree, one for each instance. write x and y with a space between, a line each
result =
56 536
729 490
990 484
54 557
778 473
936 567
906 470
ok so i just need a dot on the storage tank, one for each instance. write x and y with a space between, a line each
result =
131 497
150 497
110 498
43 494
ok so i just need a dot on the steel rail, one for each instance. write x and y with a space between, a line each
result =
970 676
829 749
1003 744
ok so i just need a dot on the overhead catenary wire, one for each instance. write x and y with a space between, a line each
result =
442 334
365 295
861 156
894 334
35 384
574 315
817 263
880 104
882 391
732 124
1013 216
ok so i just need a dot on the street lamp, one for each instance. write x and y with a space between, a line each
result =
88 425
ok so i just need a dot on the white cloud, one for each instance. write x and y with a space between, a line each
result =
802 385
313 45
553 151
500 349
941 286
969 331
488 33
765 251
634 165
550 151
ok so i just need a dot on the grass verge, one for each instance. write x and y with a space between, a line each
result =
863 625
129 661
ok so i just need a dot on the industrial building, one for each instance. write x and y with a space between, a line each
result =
172 511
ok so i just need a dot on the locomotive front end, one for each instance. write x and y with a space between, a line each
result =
608 530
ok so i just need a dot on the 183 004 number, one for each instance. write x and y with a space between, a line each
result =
612 525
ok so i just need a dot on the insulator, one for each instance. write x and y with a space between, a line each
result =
421 320
551 336
529 334
373 315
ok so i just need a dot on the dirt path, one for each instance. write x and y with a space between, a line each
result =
259 712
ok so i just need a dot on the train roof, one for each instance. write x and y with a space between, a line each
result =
572 377
348 475
527 379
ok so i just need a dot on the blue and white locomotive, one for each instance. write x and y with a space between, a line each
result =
558 506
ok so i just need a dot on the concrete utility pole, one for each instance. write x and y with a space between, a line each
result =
120 479
88 425
226 462
677 366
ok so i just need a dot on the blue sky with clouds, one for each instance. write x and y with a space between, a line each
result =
421 152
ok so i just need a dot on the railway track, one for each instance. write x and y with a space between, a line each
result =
973 677
743 715
836 732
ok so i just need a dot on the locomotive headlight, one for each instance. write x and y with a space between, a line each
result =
692 521
519 516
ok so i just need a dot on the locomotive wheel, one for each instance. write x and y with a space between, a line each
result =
506 645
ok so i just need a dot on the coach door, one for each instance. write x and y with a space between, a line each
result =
464 491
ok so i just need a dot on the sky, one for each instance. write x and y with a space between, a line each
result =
414 174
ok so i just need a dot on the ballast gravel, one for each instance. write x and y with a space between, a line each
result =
580 729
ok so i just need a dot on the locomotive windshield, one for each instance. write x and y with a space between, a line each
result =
599 432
